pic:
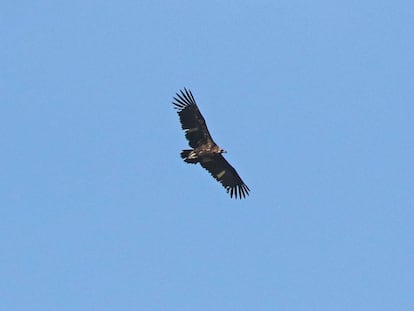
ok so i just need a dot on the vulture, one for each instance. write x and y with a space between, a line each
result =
205 151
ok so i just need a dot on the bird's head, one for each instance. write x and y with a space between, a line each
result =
223 151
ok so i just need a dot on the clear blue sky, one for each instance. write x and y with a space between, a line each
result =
314 101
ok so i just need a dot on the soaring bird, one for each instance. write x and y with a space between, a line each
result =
205 151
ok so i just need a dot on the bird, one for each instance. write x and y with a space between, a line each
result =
204 150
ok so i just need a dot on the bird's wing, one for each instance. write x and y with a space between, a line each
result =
191 119
223 172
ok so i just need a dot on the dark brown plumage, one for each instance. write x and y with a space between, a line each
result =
205 151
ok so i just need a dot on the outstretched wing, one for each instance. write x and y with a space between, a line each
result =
191 119
223 172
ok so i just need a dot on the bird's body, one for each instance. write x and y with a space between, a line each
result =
194 155
205 151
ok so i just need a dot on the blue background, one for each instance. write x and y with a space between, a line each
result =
313 101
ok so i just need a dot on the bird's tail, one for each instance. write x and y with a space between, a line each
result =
189 156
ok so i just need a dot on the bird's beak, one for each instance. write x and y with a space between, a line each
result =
223 151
